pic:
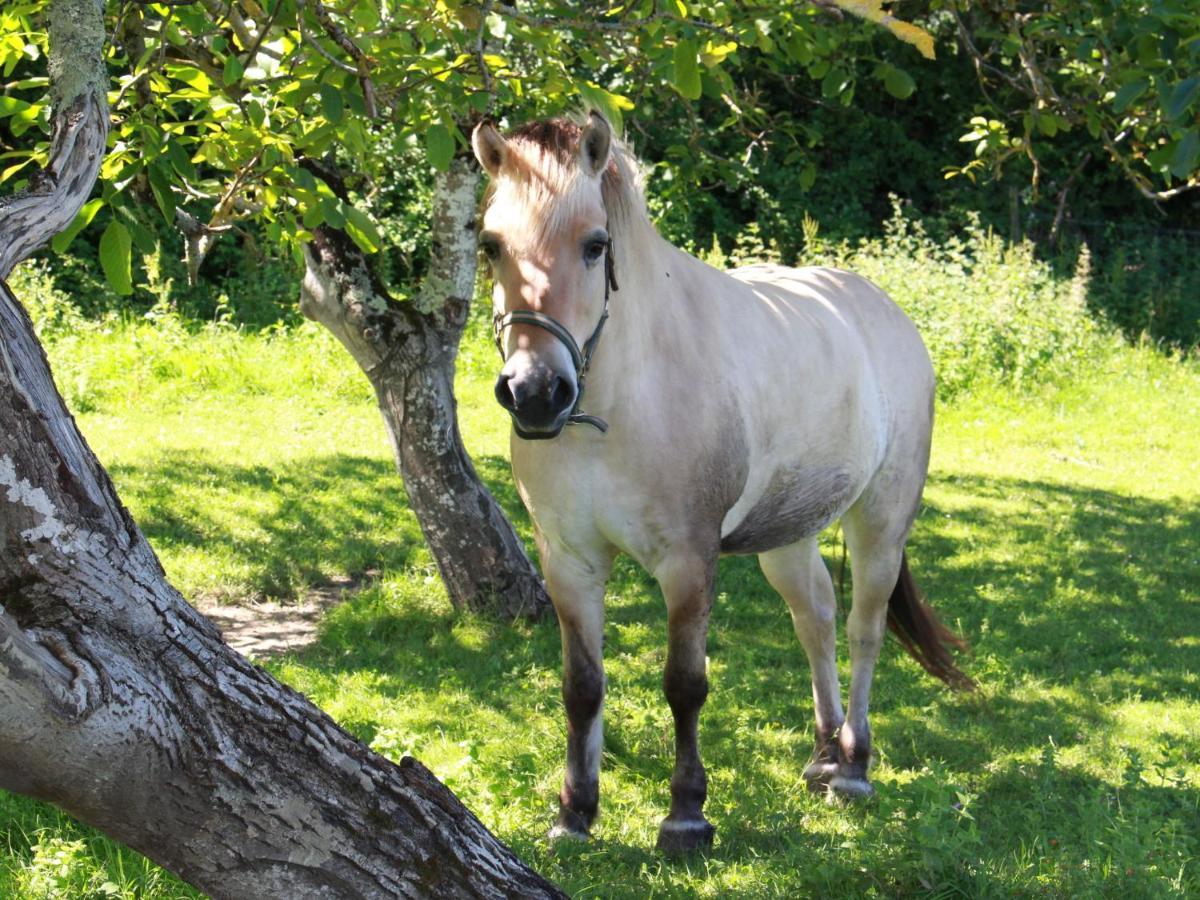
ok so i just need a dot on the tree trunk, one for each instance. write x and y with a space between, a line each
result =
407 351
120 703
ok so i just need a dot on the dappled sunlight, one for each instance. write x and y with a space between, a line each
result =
234 530
1074 577
1069 611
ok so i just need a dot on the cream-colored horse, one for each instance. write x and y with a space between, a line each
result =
733 412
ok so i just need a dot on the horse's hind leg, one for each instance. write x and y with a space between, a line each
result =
687 584
876 530
799 574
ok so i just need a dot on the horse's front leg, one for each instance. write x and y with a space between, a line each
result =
687 584
577 589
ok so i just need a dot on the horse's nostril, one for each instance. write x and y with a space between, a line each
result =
504 393
562 395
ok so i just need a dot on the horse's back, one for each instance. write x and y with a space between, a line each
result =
858 305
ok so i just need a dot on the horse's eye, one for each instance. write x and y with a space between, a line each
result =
593 250
491 249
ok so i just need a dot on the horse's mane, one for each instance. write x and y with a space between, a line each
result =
545 158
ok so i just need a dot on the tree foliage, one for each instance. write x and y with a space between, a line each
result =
1124 73
218 104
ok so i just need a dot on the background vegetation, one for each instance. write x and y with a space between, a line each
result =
1059 530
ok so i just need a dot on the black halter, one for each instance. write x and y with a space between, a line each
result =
581 358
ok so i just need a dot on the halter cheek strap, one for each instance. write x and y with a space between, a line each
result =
581 358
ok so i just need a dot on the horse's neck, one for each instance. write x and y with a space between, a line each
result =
650 310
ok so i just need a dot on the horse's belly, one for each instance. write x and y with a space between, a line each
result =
797 503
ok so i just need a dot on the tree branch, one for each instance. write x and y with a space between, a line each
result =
58 191
362 67
622 25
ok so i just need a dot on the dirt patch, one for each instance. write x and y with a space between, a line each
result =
265 629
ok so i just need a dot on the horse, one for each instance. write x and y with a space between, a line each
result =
726 413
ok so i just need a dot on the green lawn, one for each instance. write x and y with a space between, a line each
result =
1061 533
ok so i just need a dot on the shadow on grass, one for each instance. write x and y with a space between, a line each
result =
1076 601
272 531
1081 583
1076 583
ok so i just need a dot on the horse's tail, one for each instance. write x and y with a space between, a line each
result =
917 627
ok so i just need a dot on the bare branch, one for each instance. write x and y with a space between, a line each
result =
244 36
362 67
1140 181
1061 208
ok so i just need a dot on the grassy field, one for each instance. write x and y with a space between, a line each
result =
1060 533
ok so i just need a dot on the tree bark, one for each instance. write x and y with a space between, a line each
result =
407 351
121 704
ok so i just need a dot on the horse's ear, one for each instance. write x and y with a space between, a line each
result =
595 144
490 147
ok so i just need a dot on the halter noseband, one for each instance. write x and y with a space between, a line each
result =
582 359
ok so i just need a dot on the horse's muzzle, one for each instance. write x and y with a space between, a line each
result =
539 400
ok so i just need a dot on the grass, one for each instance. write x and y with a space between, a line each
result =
1061 533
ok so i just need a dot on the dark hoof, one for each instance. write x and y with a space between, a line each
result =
851 789
818 775
561 832
679 836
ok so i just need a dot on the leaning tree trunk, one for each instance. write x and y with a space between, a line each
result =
407 351
119 702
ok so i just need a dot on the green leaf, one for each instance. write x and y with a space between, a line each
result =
116 259
898 83
1047 124
179 159
82 219
808 176
234 70
160 185
607 103
1183 161
10 106
332 106
1128 93
439 144
687 71
834 83
362 230
333 211
1184 94
190 76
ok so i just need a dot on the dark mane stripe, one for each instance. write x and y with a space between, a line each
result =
558 138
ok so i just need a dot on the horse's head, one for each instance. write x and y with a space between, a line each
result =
544 233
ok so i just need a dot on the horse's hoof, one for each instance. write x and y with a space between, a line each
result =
679 836
851 789
561 833
818 775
